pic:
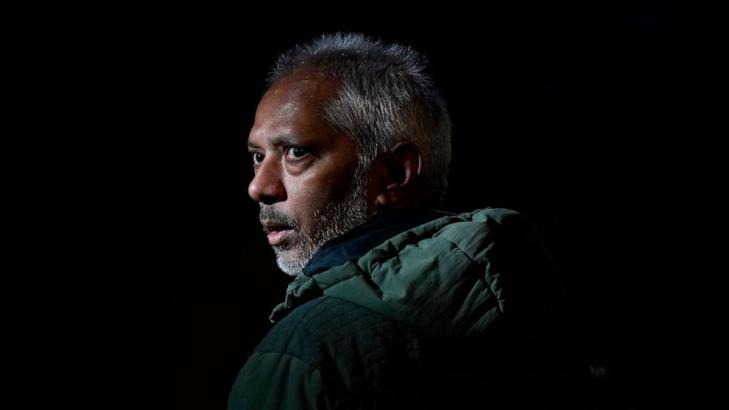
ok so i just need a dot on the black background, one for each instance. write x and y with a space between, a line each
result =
143 263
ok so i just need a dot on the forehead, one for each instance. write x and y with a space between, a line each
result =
293 106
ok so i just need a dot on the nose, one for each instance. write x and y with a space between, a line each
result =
267 186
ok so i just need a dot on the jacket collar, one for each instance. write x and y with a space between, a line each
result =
385 224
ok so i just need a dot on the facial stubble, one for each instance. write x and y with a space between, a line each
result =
328 222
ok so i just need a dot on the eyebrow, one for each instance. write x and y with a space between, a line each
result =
283 139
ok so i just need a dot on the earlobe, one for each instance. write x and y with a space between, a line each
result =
394 195
381 199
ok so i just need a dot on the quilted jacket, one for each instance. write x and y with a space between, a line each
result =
454 312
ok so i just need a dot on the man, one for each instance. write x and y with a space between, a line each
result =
393 305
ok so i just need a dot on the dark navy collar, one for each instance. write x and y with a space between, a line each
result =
385 224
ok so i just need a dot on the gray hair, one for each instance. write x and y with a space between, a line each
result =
385 97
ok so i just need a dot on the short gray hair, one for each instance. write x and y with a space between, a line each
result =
385 97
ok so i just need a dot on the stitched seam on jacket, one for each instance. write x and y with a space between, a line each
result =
489 282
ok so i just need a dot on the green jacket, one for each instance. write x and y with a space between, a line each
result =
454 312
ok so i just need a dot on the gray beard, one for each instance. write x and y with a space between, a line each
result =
329 222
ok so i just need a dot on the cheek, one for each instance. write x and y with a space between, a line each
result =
337 184
307 193
305 196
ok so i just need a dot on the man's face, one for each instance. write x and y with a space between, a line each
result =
307 179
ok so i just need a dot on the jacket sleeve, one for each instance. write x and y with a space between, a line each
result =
271 380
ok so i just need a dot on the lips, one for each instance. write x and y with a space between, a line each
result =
277 237
276 232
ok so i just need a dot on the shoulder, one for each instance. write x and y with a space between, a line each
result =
492 255
482 222
477 234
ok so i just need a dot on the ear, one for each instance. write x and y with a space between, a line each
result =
402 184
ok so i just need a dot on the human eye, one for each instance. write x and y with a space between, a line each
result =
295 153
257 157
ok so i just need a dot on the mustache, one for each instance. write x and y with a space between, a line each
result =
272 216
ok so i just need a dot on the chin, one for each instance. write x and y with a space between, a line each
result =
285 269
288 263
